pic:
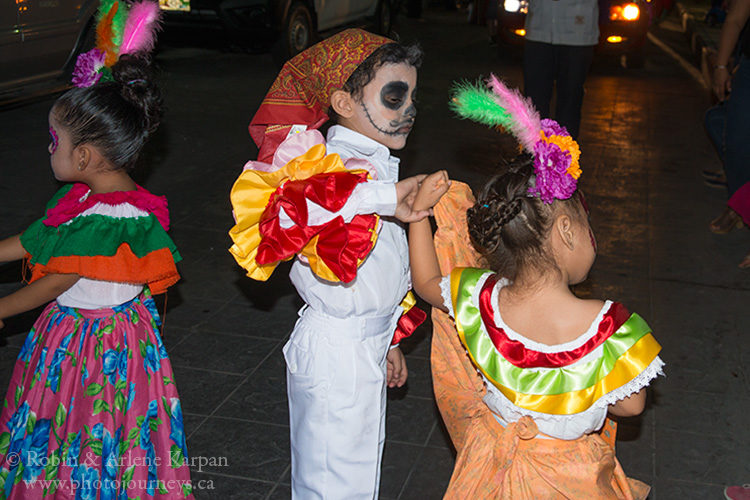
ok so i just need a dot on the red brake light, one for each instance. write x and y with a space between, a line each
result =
624 12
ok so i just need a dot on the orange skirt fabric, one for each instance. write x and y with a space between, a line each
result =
506 462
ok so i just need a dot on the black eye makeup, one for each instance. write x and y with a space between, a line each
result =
393 94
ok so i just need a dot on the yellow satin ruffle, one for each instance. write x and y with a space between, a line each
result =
250 196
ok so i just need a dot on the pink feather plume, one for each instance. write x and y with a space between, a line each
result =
139 34
526 121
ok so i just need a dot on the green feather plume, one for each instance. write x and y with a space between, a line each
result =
118 23
478 103
104 7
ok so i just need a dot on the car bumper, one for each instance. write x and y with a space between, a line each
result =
248 19
615 37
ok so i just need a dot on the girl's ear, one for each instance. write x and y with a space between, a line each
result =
82 157
564 228
343 103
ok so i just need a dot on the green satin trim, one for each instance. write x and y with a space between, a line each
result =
533 381
95 235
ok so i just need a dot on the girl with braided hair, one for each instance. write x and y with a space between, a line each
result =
551 366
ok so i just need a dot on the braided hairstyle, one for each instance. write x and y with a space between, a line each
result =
116 117
509 227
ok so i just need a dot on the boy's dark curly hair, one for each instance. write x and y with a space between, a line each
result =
390 53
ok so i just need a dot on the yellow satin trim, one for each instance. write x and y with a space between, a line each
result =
250 195
408 302
628 366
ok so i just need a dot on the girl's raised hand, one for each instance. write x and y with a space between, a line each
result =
432 188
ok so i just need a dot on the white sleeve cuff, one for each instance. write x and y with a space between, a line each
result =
371 197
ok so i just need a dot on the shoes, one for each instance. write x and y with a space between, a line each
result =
737 492
726 222
714 178
713 174
745 263
715 183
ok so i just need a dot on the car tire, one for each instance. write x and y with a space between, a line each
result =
297 32
384 17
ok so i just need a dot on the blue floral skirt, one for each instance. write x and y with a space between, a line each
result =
92 409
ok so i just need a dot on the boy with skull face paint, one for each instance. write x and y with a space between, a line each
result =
331 205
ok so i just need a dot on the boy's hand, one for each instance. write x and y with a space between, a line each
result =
432 188
396 373
406 191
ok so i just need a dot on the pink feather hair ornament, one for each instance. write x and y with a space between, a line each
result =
526 124
556 153
139 34
138 37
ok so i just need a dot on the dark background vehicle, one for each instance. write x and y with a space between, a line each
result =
288 26
39 43
623 25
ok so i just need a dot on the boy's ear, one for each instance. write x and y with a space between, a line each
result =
343 103
564 228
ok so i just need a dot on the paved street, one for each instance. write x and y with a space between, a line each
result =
643 147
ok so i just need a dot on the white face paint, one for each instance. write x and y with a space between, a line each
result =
387 108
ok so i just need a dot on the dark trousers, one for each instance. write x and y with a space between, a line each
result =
728 127
564 67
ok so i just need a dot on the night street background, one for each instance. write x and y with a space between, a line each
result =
643 147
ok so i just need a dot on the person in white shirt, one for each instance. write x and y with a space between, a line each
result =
560 40
341 355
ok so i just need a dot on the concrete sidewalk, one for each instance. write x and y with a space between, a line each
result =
643 147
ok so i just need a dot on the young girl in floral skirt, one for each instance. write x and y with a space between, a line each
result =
92 410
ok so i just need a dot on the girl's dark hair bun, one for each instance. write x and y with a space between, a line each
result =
115 116
135 76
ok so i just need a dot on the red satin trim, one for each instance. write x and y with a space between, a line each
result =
407 323
522 357
70 206
340 245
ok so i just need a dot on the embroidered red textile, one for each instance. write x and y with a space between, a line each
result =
302 91
69 206
407 323
515 352
341 246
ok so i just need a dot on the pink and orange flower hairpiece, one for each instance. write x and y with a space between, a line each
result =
555 153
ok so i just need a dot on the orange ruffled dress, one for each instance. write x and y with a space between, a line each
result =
510 462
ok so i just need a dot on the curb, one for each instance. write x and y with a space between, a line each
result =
703 48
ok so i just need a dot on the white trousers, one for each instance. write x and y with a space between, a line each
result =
336 387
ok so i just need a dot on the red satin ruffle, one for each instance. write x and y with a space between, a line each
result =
340 245
522 357
407 323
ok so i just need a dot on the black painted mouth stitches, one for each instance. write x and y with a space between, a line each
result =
397 127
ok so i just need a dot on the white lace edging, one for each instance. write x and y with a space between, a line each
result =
537 346
576 424
653 370
445 292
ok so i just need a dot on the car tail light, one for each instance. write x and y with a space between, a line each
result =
615 39
521 32
521 6
624 12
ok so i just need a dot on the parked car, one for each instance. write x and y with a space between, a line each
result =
289 25
623 25
39 43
